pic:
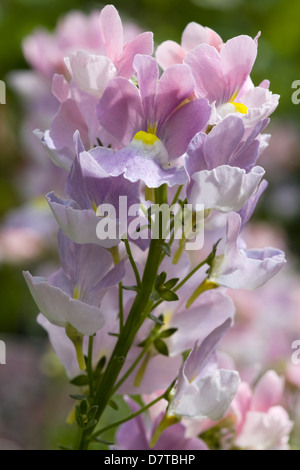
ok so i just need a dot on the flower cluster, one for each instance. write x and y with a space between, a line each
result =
134 309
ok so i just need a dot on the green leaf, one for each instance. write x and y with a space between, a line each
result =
169 296
160 279
101 363
166 248
63 447
143 343
113 405
158 320
92 412
134 288
83 407
155 296
90 424
171 283
78 397
80 380
167 333
78 417
161 347
102 441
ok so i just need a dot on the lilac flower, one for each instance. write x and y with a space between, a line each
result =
73 294
136 434
152 123
224 79
103 35
221 165
103 343
91 72
261 424
75 113
203 390
88 186
239 268
169 52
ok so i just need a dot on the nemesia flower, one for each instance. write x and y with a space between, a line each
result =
73 294
152 123
203 390
224 79
137 433
239 268
88 186
100 34
169 52
92 72
221 166
261 423
103 343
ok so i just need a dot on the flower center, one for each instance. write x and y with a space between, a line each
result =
146 137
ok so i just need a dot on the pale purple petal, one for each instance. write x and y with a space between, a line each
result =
80 225
111 32
60 309
205 63
225 188
142 44
175 85
91 73
60 88
147 74
237 59
210 310
120 110
268 391
195 34
169 53
179 129
136 165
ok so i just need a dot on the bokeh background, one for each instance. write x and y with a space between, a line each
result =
33 403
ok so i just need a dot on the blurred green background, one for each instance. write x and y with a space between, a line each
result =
278 60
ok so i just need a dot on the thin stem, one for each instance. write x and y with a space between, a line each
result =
129 418
190 274
130 370
132 262
121 310
89 366
177 195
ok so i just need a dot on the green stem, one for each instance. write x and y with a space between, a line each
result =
177 195
129 418
132 262
137 315
190 274
130 370
89 366
121 310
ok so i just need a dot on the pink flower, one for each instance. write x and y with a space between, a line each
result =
224 79
261 424
170 53
93 72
